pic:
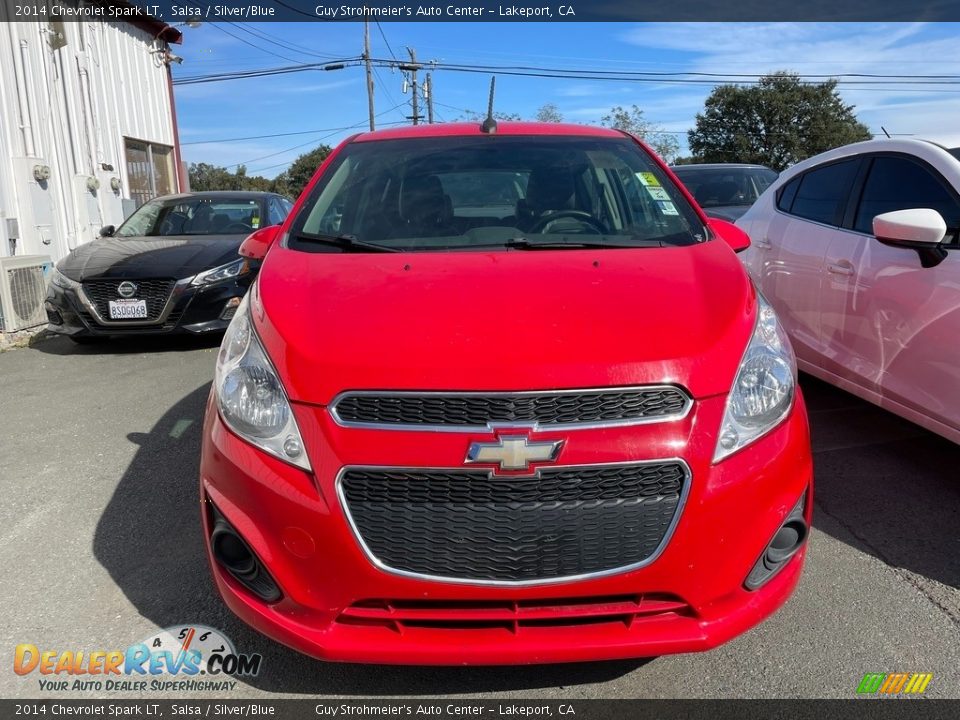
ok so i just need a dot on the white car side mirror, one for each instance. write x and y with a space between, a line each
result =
918 226
920 229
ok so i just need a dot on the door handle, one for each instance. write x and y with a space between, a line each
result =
764 244
843 267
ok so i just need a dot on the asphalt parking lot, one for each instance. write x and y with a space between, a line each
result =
100 544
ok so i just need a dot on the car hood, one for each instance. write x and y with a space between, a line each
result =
514 320
132 257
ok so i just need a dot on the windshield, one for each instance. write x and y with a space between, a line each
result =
193 216
456 193
719 187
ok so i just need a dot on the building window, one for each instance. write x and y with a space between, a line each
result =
149 170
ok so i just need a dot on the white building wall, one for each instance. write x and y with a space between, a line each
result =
69 109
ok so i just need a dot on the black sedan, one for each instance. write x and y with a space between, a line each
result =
171 267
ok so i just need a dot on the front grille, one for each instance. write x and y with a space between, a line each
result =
478 410
155 292
470 525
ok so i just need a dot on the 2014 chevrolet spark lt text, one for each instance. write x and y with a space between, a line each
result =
503 397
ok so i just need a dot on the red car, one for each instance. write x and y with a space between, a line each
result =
503 395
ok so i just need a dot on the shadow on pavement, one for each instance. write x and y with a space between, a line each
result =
893 487
149 540
60 345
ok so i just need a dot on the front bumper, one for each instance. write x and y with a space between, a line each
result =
194 310
337 605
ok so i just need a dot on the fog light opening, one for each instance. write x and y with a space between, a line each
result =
786 542
230 309
232 552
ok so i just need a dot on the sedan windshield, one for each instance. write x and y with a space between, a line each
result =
521 192
723 187
193 216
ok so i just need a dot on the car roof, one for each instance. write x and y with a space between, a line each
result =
225 194
473 128
718 166
924 149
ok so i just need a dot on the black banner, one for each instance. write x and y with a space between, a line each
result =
176 11
863 709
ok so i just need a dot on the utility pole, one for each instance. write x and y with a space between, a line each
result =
366 57
428 93
413 82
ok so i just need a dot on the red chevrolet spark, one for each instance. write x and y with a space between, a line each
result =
503 395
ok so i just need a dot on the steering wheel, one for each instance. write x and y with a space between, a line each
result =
579 215
237 227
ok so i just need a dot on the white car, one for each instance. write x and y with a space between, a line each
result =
858 250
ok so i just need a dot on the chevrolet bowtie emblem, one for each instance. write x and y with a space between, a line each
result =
513 453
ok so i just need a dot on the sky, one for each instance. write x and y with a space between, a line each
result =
324 102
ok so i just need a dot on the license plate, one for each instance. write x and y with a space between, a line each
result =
132 309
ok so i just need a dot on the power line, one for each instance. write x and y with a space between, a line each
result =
385 41
293 47
271 135
222 29
691 78
309 142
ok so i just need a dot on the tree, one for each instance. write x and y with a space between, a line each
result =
292 181
776 123
633 121
204 176
549 113
472 116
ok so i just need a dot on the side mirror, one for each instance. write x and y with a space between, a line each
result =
730 234
107 231
920 229
255 246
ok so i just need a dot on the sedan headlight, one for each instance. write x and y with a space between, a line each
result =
764 388
231 270
62 281
249 394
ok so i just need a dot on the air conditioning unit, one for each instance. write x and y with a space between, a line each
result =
23 289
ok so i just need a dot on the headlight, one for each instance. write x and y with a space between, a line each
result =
250 396
62 281
229 271
763 391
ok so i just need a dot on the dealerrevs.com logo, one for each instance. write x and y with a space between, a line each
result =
182 658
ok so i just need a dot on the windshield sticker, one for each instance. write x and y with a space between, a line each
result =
667 207
255 222
648 179
658 193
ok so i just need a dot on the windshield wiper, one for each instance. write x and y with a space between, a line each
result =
345 241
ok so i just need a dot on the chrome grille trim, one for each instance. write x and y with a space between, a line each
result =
532 424
176 292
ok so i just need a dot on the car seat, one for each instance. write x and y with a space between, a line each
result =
717 192
424 207
549 189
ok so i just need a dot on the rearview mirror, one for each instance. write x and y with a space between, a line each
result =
920 229
255 246
107 231
730 234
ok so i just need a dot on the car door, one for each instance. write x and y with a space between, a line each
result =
890 325
791 248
